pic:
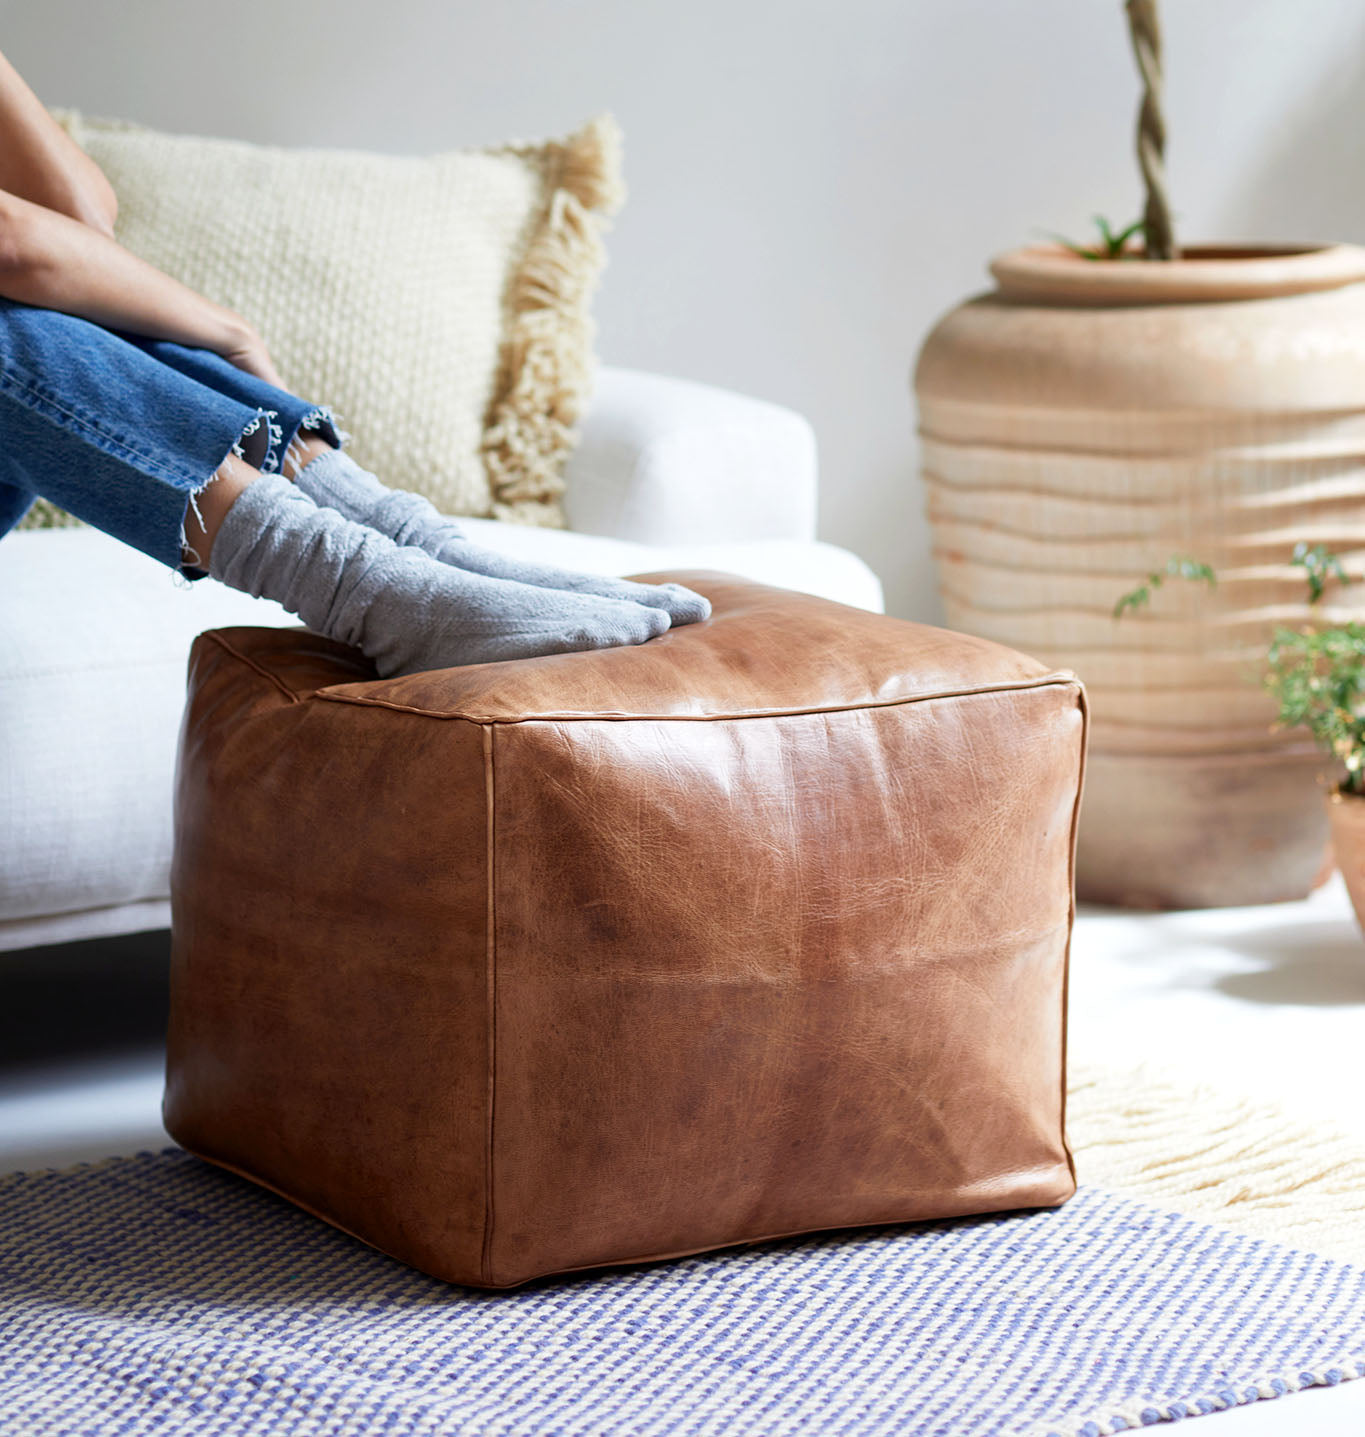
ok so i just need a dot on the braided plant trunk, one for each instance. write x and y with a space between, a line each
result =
1145 29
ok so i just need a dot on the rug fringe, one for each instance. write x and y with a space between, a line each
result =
1234 1161
1142 1412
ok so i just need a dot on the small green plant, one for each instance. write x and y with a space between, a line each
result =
1178 566
1318 679
1319 565
1112 245
1316 675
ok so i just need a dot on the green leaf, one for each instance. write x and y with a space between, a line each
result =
1136 228
1319 565
1178 566
1111 245
1133 600
1181 567
1075 249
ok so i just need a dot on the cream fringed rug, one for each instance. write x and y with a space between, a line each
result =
1200 1267
1240 1164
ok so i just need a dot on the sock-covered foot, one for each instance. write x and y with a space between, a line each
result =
335 479
404 609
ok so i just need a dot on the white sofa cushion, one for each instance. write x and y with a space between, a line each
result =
94 639
670 461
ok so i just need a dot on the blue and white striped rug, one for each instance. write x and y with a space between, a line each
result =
156 1294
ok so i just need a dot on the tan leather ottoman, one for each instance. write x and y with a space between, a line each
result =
758 928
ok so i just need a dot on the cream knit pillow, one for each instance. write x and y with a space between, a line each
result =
439 304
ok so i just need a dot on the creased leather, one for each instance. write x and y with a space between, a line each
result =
512 969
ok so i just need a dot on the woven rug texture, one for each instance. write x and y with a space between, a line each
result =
157 1294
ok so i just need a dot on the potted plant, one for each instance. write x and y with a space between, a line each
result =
1107 405
1316 676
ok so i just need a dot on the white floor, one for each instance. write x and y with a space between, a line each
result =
76 1112
1268 1001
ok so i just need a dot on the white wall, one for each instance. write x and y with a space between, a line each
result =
811 183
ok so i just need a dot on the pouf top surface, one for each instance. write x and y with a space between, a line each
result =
764 650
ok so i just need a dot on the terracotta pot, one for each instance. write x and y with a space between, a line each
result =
1346 814
1086 421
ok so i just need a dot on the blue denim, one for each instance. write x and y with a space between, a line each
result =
123 431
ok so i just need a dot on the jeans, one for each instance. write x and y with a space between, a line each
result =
123 431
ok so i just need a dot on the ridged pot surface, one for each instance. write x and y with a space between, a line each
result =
1085 422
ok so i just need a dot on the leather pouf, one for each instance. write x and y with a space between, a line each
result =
758 928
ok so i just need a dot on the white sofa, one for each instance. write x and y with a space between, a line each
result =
94 636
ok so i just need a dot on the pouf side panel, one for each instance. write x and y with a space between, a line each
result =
769 975
329 958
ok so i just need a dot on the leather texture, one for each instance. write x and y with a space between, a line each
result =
513 969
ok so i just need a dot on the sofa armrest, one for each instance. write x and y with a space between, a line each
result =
669 461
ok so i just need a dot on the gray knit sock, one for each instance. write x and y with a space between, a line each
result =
405 610
335 479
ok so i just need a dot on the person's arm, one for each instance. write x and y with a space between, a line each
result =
55 262
40 162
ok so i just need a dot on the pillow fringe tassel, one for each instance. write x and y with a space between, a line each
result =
546 373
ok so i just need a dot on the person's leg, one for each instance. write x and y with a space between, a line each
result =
214 500
138 449
291 418
100 429
303 432
330 476
404 609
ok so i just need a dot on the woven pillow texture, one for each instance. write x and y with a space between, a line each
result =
439 304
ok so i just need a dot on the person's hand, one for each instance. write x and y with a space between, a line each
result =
55 261
246 349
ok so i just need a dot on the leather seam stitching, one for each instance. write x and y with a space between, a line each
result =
1083 704
251 663
491 998
488 720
